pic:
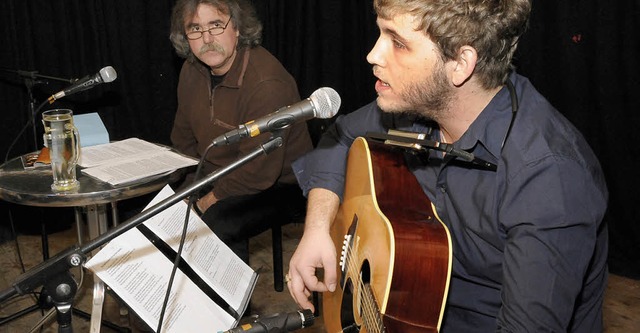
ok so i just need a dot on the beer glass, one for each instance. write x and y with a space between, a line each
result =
61 137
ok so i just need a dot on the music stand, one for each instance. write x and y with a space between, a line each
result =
56 268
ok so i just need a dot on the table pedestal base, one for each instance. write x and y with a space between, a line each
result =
97 224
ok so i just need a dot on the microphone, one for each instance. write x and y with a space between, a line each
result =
107 74
279 322
323 103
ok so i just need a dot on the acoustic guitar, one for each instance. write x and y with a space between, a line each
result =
395 253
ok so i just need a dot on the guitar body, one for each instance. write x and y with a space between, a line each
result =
396 254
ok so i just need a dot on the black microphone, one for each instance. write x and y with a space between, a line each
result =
323 103
418 141
279 322
107 74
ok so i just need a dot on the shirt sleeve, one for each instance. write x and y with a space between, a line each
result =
182 136
555 209
325 166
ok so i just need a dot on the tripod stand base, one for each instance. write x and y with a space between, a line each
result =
82 314
17 315
44 303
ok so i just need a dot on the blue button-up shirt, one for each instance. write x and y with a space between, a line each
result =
529 245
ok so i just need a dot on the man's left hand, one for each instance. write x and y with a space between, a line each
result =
206 201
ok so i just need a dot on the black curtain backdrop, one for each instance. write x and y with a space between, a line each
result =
582 55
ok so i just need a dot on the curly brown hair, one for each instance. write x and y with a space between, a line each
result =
492 27
242 14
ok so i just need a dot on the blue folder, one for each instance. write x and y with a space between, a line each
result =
91 129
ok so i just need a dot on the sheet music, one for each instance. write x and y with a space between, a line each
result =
138 272
130 160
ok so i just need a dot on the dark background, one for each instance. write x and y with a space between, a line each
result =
582 55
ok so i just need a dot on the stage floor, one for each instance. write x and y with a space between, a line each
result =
622 304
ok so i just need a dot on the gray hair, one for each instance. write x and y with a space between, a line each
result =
243 16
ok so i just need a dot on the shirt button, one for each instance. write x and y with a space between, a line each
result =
443 188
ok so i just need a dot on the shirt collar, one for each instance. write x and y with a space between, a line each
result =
235 75
490 128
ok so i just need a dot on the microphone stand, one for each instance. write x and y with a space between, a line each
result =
417 142
54 273
30 79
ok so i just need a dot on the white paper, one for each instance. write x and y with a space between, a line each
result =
130 160
114 151
138 272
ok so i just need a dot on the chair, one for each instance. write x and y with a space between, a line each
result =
278 265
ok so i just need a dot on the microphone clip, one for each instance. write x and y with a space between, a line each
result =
277 323
418 141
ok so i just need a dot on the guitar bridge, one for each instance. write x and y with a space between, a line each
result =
347 245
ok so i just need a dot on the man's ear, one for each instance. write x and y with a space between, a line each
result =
464 65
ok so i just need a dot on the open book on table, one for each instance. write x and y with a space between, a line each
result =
212 286
130 160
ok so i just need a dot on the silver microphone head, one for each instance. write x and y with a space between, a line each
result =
108 74
326 102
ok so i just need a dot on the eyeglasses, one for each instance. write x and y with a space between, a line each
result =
213 31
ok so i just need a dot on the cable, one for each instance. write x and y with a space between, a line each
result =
191 201
23 269
183 237
6 157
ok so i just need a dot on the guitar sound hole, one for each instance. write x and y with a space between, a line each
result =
352 320
347 315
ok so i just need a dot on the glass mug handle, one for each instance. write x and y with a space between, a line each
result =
76 146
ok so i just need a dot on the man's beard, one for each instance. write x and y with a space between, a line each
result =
428 98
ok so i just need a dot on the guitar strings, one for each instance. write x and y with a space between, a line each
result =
369 307
370 312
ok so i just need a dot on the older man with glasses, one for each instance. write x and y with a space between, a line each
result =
227 80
